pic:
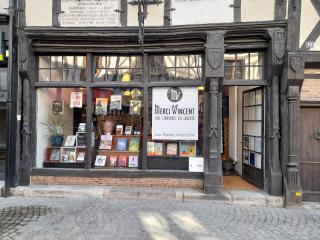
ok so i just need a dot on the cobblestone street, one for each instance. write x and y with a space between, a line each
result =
90 218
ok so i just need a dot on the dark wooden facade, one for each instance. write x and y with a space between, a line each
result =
282 82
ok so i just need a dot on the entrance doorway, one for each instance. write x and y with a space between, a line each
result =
310 153
243 137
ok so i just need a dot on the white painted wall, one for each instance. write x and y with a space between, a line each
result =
257 10
155 15
4 4
309 19
202 11
39 12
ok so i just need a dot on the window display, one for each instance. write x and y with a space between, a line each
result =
118 128
175 146
61 136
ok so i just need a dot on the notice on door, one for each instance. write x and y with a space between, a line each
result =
175 113
90 13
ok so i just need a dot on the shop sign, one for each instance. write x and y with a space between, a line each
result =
196 164
175 113
90 13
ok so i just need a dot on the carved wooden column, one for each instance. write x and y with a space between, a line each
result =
213 77
292 179
274 177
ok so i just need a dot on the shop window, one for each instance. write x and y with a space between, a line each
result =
175 131
117 121
61 128
118 68
176 67
244 66
62 68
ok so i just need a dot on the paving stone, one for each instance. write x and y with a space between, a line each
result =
136 218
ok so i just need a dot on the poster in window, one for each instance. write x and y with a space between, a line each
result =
101 106
115 102
135 107
57 107
76 99
172 107
100 161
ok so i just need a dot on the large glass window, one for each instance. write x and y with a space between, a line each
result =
243 66
61 128
62 68
118 68
176 67
117 120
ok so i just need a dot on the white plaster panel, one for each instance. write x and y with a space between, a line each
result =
257 10
309 19
155 15
39 12
4 4
202 11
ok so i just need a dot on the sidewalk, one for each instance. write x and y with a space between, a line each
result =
239 197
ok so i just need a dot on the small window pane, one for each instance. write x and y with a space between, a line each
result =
136 75
68 62
258 113
195 74
252 98
246 99
124 62
243 58
195 60
112 62
259 97
169 61
56 62
112 75
100 75
81 62
136 62
182 61
124 75
68 75
169 74
256 73
56 74
245 73
44 75
256 59
182 73
80 75
44 62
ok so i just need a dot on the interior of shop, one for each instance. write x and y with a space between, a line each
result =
242 155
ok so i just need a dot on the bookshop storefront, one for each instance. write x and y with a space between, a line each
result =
117 117
110 119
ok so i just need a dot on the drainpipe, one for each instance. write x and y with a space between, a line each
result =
10 178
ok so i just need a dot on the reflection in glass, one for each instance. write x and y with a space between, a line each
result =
112 75
195 73
169 74
81 62
56 75
182 61
112 62
169 61
243 58
44 62
181 73
124 62
256 59
195 60
256 73
68 61
136 62
56 61
44 74
259 97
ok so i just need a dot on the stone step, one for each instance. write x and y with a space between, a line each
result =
247 198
